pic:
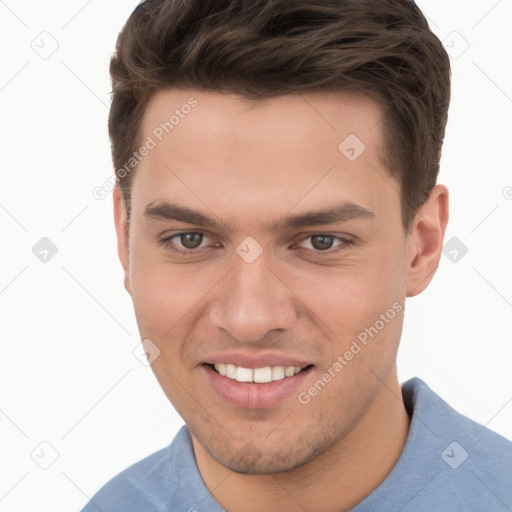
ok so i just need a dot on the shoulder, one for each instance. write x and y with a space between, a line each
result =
449 462
427 405
143 487
473 464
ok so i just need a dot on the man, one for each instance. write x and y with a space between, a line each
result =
276 204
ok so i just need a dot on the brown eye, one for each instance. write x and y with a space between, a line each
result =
326 243
191 240
322 242
184 243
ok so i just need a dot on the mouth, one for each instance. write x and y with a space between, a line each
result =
256 375
254 388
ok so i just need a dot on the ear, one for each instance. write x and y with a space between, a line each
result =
425 240
123 250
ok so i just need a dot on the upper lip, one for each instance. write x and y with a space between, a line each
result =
260 360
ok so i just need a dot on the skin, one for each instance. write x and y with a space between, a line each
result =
250 163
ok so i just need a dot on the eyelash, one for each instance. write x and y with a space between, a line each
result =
168 244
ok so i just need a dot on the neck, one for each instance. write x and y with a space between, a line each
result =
333 482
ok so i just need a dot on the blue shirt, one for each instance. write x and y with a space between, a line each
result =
449 463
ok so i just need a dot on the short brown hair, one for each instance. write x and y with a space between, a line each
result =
264 48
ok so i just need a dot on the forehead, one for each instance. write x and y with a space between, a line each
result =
216 148
227 118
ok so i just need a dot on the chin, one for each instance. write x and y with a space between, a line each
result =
253 460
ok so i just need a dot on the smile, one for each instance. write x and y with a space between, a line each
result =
255 388
256 375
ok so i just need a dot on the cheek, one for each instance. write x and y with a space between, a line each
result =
166 296
347 299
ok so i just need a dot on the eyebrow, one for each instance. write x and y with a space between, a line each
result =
341 212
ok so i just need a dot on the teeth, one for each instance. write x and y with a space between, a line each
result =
244 374
289 371
277 372
230 370
258 375
262 374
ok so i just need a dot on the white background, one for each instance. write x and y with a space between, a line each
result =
68 375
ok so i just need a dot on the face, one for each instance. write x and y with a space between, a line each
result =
262 247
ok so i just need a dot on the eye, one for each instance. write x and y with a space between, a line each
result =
190 241
324 242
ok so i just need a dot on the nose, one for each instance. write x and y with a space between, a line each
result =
252 300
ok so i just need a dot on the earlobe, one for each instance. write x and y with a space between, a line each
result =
120 219
425 240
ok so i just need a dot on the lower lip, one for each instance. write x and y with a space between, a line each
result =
251 395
